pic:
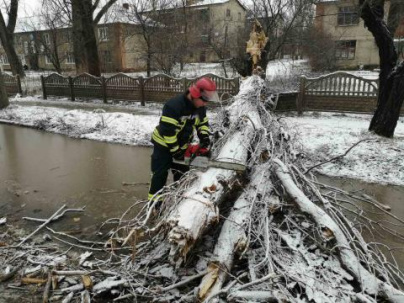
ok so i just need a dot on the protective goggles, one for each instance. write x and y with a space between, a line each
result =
209 96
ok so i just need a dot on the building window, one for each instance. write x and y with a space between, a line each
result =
26 47
68 36
103 33
47 59
3 59
228 13
19 42
69 58
46 39
348 15
399 44
202 56
345 49
107 56
239 16
205 38
204 15
33 48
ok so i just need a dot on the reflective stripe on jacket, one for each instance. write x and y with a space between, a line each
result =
178 122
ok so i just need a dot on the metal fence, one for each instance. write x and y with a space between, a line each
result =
157 88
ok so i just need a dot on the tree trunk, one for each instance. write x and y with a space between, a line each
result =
386 116
7 40
233 237
3 94
148 63
78 40
390 96
85 42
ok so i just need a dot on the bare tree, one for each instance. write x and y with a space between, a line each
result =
85 42
83 15
7 37
3 94
54 17
319 47
391 78
158 25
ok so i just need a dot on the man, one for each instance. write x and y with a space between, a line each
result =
181 116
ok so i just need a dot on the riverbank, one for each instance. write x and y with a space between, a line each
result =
318 137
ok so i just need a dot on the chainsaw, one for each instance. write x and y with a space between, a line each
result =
198 157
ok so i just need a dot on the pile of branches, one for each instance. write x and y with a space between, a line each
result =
271 234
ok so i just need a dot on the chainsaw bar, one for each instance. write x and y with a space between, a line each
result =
204 163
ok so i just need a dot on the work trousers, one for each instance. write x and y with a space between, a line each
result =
161 162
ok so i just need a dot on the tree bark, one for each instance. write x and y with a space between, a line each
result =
3 94
390 96
84 35
233 237
7 39
85 42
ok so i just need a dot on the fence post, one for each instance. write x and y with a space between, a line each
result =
142 92
43 88
184 84
300 96
237 82
19 84
104 89
72 97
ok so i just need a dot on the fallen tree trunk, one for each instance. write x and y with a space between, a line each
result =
198 208
369 283
233 236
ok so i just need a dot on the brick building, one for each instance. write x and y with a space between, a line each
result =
211 33
354 44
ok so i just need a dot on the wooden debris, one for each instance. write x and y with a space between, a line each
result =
42 225
47 288
26 280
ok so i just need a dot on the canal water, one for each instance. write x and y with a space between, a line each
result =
39 172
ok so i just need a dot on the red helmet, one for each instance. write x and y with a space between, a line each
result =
205 89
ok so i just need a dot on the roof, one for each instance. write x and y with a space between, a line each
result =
213 2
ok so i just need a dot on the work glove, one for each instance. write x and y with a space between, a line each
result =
204 142
179 154
205 152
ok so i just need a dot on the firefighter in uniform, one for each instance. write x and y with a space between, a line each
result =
182 115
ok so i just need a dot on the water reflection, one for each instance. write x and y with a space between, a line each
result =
39 172
390 195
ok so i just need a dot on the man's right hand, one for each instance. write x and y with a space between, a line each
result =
179 154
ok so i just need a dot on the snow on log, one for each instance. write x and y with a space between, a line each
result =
232 237
198 207
252 296
369 283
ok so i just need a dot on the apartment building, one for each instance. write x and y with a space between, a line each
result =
119 47
210 28
354 44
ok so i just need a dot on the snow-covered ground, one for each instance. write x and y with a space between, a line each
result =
319 136
324 136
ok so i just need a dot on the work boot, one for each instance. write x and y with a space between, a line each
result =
158 204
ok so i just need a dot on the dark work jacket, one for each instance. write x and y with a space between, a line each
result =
178 122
